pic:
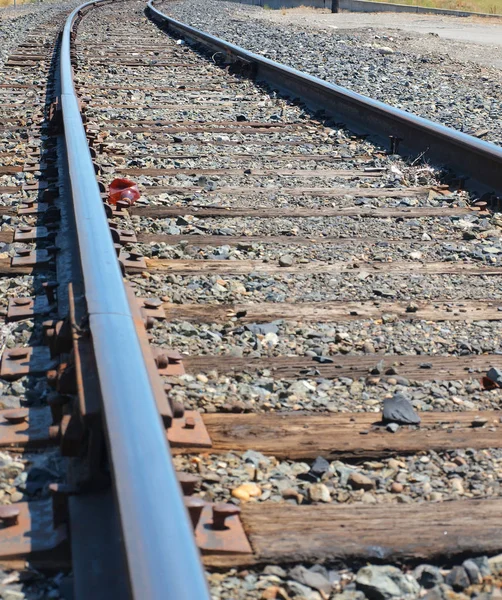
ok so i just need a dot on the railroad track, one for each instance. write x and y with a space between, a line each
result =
310 320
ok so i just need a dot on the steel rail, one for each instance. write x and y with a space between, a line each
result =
160 551
479 161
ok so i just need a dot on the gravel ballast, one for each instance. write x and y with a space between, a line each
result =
374 63
24 477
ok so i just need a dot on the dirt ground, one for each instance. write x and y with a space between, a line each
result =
473 39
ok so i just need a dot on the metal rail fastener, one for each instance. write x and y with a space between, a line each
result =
161 555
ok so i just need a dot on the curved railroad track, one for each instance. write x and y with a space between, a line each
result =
298 323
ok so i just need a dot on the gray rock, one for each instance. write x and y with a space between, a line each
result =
473 571
428 576
392 427
483 565
344 474
495 563
399 409
458 579
297 589
378 369
236 351
286 260
255 458
315 580
10 594
319 467
298 388
434 594
324 360
275 570
495 375
386 582
317 470
10 402
188 329
261 328
349 595
358 481
385 292
332 576
18 388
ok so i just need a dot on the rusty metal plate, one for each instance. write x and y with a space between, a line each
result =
32 208
152 307
133 262
127 237
18 362
35 187
25 308
123 236
119 212
174 365
231 540
34 532
32 431
25 233
31 259
189 432
30 166
116 211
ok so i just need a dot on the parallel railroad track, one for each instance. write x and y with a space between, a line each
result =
293 278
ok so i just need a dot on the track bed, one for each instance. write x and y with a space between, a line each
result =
305 277
313 323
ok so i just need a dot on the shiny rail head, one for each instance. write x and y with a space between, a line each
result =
472 159
159 546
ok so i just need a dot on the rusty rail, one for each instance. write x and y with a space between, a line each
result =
161 556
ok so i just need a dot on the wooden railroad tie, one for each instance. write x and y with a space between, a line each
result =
283 533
